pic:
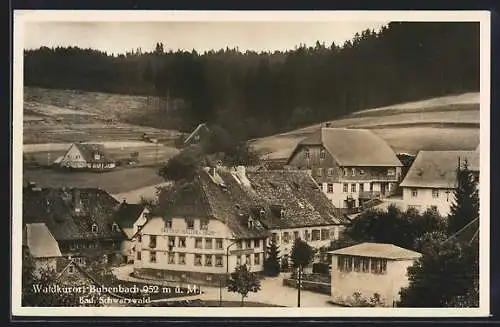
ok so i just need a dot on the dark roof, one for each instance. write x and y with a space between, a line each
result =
127 213
56 208
233 199
437 169
88 150
197 132
378 250
353 147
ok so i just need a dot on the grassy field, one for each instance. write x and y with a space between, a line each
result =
446 123
116 181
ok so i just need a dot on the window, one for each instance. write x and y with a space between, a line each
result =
139 238
256 259
435 193
94 228
249 244
308 235
378 266
208 243
348 264
152 256
306 153
218 243
218 261
168 223
204 224
171 258
248 260
182 242
238 260
330 171
208 260
329 188
286 238
256 244
345 171
274 236
81 261
319 172
190 223
315 235
357 264
366 265
71 269
353 171
295 235
361 187
114 227
197 259
152 241
361 172
171 241
434 208
391 172
139 255
345 187
322 154
182 258
198 243
414 192
324 234
239 245
353 187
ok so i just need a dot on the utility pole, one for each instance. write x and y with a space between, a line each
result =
299 284
227 272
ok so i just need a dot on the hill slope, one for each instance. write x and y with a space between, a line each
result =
444 123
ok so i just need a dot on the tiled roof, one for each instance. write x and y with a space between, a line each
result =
353 147
437 169
88 150
378 250
56 208
234 200
40 241
127 214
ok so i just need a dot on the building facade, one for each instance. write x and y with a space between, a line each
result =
352 166
84 156
130 217
431 179
368 269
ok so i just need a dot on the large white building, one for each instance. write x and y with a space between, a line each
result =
224 218
431 179
352 166
369 269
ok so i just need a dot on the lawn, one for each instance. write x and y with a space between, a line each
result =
116 181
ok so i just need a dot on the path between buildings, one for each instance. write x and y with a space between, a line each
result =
272 292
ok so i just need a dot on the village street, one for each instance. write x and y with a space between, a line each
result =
272 292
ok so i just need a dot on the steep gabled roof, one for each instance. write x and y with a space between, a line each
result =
88 150
353 147
199 129
437 169
40 241
56 208
127 214
378 250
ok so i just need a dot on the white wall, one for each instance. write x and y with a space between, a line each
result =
425 199
73 158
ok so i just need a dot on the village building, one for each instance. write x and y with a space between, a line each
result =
432 179
130 217
199 134
369 269
224 218
72 223
354 167
86 156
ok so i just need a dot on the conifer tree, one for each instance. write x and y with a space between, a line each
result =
272 261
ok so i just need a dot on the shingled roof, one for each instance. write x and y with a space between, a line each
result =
88 151
353 147
128 213
378 250
55 207
234 198
437 169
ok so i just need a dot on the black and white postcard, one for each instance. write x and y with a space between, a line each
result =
190 163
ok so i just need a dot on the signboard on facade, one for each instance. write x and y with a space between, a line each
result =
194 232
242 251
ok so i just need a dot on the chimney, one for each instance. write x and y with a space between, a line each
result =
77 203
124 202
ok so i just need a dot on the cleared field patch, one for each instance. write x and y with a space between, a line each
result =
116 181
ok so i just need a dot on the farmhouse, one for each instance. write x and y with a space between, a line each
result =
130 217
224 218
85 156
354 167
71 223
369 269
432 178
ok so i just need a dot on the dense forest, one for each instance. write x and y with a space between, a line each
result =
254 94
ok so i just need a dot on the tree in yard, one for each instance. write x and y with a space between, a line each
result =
272 261
243 281
465 206
302 255
241 154
182 166
444 275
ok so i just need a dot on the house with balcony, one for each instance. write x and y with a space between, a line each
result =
369 269
432 178
224 218
353 167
